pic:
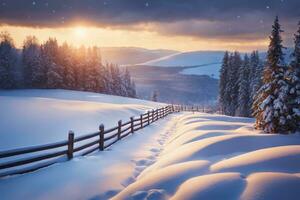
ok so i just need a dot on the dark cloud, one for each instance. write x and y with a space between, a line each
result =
219 17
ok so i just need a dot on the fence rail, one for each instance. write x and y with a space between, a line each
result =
28 159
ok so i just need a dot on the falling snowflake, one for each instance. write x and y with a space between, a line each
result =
147 4
33 3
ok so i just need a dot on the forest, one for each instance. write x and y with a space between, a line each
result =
53 66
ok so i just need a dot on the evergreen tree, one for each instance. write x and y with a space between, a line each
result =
129 85
293 76
8 59
32 72
116 82
50 62
270 107
223 82
66 61
91 72
232 87
243 106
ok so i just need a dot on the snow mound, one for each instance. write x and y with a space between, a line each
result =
167 179
238 162
280 159
269 185
213 186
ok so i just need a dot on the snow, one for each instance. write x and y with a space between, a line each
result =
183 156
192 58
212 70
219 157
35 117
96 176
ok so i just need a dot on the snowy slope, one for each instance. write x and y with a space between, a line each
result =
193 58
218 157
212 70
34 117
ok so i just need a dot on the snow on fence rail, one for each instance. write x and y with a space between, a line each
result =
17 161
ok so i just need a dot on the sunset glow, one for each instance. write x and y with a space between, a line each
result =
106 37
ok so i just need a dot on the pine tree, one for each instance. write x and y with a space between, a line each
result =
293 76
154 96
32 72
50 62
8 59
271 110
243 108
232 88
66 61
223 82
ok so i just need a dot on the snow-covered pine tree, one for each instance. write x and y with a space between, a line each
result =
81 68
256 70
8 59
31 61
99 71
243 106
50 62
126 82
223 82
91 76
232 87
271 110
293 76
66 61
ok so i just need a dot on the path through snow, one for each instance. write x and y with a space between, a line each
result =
97 176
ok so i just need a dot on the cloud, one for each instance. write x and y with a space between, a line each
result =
197 18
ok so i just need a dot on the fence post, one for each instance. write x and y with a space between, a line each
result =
141 121
119 129
156 114
101 137
152 113
148 117
70 145
132 125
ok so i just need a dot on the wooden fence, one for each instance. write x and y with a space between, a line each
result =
28 159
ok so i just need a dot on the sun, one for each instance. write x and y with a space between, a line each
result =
80 32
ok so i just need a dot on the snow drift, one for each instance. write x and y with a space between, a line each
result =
220 157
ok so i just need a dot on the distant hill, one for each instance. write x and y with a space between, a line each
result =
193 58
132 55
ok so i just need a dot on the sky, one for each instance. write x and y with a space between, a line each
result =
183 25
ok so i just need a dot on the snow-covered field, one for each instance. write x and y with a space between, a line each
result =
34 117
218 157
183 156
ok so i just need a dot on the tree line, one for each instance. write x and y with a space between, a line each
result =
267 90
239 82
53 66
